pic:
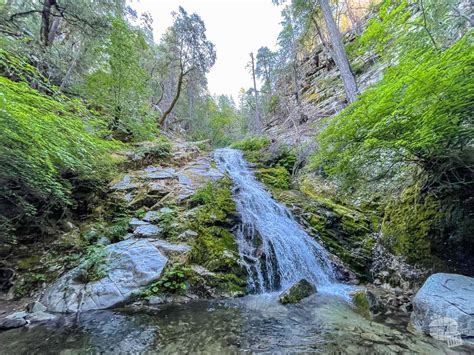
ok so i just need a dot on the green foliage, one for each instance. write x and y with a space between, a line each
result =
172 281
412 132
120 85
154 151
277 177
419 114
251 143
47 148
93 265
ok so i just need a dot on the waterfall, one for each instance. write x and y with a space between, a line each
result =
274 248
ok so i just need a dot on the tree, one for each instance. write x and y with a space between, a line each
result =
189 50
258 119
265 66
121 85
339 53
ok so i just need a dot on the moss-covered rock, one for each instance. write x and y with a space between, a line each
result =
367 303
297 292
359 299
277 177
410 223
212 216
344 230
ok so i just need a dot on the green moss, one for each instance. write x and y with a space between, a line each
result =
277 177
297 292
215 247
361 303
343 229
409 224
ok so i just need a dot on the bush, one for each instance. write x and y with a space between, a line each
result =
48 148
251 143
172 281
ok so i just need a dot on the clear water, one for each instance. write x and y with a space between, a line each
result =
258 323
274 248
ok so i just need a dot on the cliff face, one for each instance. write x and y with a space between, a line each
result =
320 91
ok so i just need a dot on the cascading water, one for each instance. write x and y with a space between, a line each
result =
274 248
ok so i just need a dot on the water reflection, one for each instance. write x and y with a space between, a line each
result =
257 323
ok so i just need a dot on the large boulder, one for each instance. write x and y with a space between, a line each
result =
130 265
448 297
297 292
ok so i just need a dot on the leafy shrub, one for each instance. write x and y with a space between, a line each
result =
251 143
172 281
47 148
93 264
154 151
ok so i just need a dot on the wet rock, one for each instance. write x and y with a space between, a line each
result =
130 266
147 230
125 184
135 222
156 300
6 278
169 248
10 323
297 292
448 296
166 210
35 307
188 234
155 187
184 180
103 240
158 173
202 271
40 316
367 303
151 216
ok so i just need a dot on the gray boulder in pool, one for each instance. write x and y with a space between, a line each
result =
131 265
448 298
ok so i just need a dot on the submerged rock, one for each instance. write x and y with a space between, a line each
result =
10 323
367 303
130 265
297 292
448 298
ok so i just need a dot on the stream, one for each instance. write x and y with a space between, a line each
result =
277 252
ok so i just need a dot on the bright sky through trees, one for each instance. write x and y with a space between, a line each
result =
237 27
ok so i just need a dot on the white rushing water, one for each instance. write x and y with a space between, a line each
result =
274 248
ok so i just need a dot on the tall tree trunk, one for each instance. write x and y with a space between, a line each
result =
165 114
46 21
257 108
339 53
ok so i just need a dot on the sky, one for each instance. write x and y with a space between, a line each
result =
236 27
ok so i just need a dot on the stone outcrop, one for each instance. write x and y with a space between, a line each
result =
131 265
448 298
297 292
